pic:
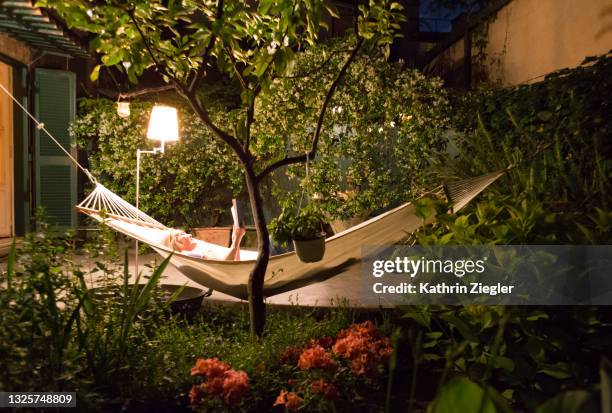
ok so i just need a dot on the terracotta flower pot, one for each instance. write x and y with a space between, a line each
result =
311 250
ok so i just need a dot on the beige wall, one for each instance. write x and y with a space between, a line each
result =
15 49
530 38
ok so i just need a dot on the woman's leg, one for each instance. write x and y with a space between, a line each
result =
234 252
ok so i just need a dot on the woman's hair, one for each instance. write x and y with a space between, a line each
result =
172 239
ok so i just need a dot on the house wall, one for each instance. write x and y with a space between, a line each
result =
528 39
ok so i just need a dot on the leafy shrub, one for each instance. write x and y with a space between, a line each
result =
59 334
383 123
557 133
558 195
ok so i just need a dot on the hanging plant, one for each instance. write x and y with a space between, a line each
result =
304 228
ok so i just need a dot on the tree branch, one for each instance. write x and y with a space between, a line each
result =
195 82
315 140
241 79
316 69
144 91
163 69
201 111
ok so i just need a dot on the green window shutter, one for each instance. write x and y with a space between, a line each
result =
56 175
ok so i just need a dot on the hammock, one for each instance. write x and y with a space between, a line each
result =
285 272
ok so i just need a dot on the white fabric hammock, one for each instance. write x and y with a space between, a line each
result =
285 272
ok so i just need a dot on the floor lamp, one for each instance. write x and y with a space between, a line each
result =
163 127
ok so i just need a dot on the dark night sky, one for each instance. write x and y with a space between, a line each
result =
435 19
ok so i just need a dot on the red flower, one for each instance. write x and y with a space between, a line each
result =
195 396
291 354
221 381
328 390
325 342
209 368
364 346
235 386
316 358
213 386
290 400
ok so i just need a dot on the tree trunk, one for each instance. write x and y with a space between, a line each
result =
257 309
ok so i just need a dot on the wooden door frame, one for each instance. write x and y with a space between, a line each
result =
11 161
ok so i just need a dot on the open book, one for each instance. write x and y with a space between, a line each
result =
237 213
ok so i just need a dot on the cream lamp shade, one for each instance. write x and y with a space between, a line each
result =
123 109
163 124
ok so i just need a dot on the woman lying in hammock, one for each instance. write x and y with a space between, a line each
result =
184 243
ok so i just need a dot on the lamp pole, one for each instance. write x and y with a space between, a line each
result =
139 152
163 126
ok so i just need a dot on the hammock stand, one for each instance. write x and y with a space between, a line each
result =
285 272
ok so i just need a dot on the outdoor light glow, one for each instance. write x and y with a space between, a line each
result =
123 109
163 125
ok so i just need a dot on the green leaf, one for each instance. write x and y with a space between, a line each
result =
576 401
545 115
95 73
504 363
461 395
558 370
605 372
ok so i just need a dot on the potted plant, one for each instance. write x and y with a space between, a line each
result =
304 229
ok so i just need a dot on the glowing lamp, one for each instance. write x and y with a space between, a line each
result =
163 124
123 109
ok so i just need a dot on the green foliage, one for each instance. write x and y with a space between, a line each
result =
556 132
182 37
162 372
523 356
383 126
38 308
306 224
461 395
58 334
191 184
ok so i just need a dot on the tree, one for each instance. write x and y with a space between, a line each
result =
251 42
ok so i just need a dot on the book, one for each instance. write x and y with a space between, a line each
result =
237 213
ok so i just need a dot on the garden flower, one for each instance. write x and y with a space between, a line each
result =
209 367
364 347
230 385
290 400
316 358
213 386
325 342
235 386
291 355
328 390
195 396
